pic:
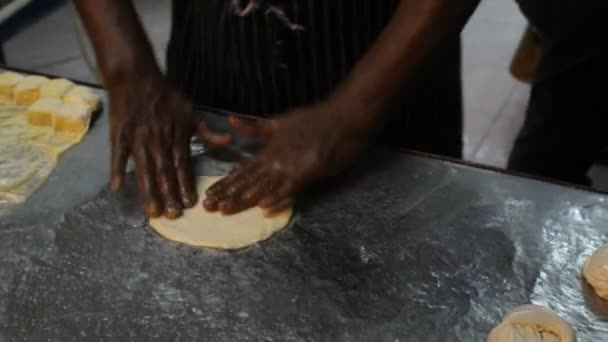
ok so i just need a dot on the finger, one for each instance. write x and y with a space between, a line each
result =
166 180
261 129
144 173
185 178
247 193
259 191
230 186
211 202
242 169
120 156
211 137
279 207
275 199
213 195
234 187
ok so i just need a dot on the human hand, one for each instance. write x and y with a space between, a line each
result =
151 122
301 147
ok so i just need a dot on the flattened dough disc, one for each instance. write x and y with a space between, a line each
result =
197 227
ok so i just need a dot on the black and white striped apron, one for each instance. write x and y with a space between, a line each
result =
287 53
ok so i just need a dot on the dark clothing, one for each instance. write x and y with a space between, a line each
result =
565 127
258 64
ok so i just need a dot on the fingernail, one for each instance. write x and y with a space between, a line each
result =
210 205
173 213
225 207
189 201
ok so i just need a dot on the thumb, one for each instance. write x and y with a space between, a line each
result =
211 137
260 129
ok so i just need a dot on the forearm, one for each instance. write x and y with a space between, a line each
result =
121 46
416 29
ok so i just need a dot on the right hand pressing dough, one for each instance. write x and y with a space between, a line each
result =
532 323
595 271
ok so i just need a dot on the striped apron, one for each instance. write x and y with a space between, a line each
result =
263 57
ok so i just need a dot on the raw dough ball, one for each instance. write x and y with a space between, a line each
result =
532 323
595 271
197 227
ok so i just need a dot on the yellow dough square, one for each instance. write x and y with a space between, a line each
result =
27 91
8 81
82 95
41 112
72 117
56 88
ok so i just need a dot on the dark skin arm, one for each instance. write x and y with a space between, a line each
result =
149 120
310 143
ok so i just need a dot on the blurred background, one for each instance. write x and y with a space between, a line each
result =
45 36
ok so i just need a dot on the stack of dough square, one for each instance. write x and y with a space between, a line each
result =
72 117
42 112
56 88
8 81
82 95
27 90
57 103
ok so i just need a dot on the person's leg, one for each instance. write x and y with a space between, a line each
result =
565 124
563 133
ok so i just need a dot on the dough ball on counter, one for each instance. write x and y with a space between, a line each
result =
532 323
595 271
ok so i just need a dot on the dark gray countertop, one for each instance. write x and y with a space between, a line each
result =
400 248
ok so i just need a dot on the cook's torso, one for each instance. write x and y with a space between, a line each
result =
266 61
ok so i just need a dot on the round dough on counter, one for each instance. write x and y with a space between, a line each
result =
532 323
198 227
595 271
